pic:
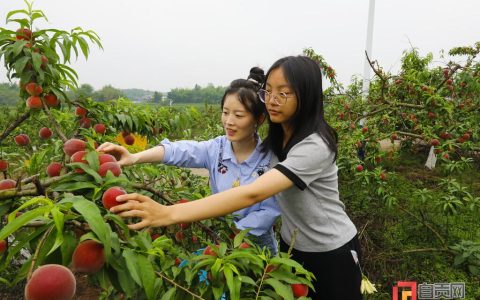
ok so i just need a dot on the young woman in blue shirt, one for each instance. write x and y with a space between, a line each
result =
304 182
233 159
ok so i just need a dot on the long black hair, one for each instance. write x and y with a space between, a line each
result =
246 92
304 76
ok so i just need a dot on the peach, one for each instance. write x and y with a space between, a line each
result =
45 133
34 102
3 165
24 34
22 139
54 169
129 139
299 290
80 111
73 145
33 89
51 100
6 184
88 257
3 246
51 282
85 122
78 157
104 158
100 128
114 167
109 198
44 61
209 251
244 245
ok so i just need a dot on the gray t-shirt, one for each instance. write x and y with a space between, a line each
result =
312 205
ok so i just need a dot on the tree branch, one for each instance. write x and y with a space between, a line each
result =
179 286
14 125
54 122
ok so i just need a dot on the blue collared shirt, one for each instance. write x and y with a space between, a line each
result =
217 156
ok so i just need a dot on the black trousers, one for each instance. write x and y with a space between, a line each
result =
338 275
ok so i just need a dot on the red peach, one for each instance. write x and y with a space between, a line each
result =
54 169
51 100
129 139
299 290
100 128
73 145
109 198
44 133
6 184
22 139
34 102
80 111
51 282
85 122
3 246
88 257
104 158
114 167
24 34
33 89
3 165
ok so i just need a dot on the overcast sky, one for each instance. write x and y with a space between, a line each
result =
160 45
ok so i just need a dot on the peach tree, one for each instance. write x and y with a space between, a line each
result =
56 191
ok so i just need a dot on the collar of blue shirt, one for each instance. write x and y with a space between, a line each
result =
250 161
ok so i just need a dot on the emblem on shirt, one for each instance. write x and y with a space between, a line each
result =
260 170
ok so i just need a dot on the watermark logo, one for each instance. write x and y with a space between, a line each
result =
408 290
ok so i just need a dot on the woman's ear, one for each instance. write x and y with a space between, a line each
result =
261 119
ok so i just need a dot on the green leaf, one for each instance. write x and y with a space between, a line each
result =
288 262
91 214
68 247
247 280
170 294
147 275
284 291
21 63
74 186
18 47
132 265
227 271
92 158
239 238
14 12
37 61
13 250
119 221
83 45
16 223
125 279
38 14
31 202
59 219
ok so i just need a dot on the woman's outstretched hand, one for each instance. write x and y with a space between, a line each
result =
124 157
152 213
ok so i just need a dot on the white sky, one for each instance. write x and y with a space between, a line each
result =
160 45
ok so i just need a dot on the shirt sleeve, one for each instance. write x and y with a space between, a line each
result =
307 161
189 154
262 218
